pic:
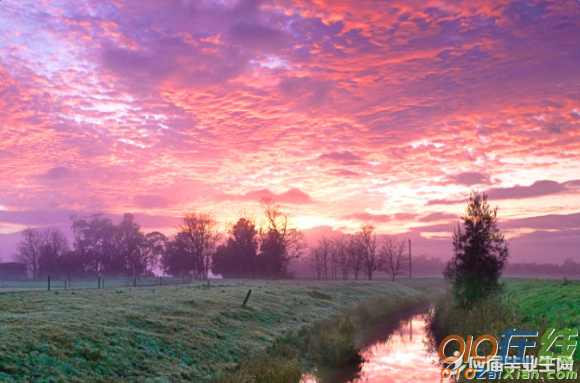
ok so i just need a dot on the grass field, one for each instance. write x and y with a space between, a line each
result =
555 302
160 334
551 300
188 332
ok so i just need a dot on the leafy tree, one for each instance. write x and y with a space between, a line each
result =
176 259
480 252
129 242
94 243
115 250
238 257
55 246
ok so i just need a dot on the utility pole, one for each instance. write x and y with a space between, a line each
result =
410 261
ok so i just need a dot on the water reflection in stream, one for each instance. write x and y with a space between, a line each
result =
402 357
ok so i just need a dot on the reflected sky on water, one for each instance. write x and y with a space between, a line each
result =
402 358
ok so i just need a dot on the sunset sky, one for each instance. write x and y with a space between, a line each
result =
386 112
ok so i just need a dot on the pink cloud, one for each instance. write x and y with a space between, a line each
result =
367 106
292 196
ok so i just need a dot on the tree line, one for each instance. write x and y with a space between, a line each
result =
361 254
100 247
248 248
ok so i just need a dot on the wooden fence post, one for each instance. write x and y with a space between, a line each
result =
99 282
247 297
49 283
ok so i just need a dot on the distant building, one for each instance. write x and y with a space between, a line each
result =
12 270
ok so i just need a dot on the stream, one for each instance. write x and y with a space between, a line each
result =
395 357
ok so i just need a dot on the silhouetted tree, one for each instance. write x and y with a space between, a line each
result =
356 254
29 250
394 258
150 250
480 252
238 257
115 250
177 257
368 243
201 231
55 245
319 258
280 241
341 255
71 265
129 243
94 242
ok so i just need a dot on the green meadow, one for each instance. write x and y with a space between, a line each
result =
163 333
191 332
555 301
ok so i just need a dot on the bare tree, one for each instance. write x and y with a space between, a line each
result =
341 255
281 242
315 262
394 256
355 254
203 234
368 241
320 258
29 249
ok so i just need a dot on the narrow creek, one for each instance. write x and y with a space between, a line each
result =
394 356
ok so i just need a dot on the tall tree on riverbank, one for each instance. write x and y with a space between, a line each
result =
480 252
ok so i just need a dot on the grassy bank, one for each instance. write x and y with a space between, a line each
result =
554 301
524 304
326 344
161 334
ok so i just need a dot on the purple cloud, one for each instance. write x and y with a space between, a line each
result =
151 201
469 179
368 217
57 173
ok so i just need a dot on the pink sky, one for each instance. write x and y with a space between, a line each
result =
345 111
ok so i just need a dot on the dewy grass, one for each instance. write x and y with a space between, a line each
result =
172 334
524 305
327 343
